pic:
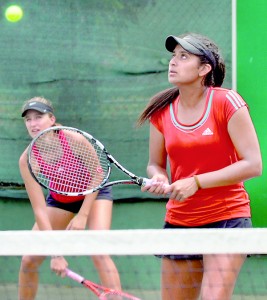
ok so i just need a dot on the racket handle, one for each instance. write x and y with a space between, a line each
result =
149 182
74 276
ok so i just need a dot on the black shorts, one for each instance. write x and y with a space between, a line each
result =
74 207
232 223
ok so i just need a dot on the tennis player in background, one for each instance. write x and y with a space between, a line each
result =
206 134
59 212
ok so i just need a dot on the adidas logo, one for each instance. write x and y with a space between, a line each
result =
207 132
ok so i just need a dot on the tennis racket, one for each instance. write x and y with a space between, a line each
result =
101 292
71 162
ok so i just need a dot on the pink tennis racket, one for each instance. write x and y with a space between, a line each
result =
103 293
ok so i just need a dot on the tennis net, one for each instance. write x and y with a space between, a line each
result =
133 252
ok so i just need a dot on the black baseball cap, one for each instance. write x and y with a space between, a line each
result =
191 45
39 106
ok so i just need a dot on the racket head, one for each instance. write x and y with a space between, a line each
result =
68 161
105 293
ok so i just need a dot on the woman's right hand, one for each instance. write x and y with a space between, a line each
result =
156 185
58 265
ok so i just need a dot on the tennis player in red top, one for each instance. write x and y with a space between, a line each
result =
59 212
206 134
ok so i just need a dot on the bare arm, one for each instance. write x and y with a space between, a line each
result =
244 138
35 195
156 168
80 220
157 155
58 264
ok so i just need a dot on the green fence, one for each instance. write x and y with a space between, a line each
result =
99 61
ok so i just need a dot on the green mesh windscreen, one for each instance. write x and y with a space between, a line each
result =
99 62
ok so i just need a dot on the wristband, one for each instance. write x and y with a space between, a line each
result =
197 182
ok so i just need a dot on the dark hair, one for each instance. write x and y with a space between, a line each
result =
214 78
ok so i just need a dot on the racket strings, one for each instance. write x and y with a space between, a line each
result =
104 293
68 162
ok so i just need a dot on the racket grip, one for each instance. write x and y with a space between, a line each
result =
149 182
74 276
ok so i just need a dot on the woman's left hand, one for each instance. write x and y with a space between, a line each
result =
181 189
78 222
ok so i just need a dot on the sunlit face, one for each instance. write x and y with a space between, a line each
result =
36 122
184 67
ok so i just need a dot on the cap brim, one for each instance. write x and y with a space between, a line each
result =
172 41
32 108
38 106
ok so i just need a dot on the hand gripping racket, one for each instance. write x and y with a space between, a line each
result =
71 162
101 292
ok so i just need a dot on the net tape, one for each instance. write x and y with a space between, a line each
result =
134 242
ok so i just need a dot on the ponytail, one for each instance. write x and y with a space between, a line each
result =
157 103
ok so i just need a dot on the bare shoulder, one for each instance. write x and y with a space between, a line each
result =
241 115
23 158
75 135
